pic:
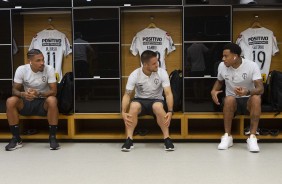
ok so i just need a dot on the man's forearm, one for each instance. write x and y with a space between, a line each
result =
217 85
125 102
47 94
169 101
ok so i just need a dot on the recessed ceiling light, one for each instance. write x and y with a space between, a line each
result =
88 0
5 0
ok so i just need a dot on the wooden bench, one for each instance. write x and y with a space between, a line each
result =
184 126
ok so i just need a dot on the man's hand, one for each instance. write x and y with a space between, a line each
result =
168 119
30 94
241 91
214 94
127 119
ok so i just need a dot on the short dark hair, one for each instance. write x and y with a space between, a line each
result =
32 53
234 48
147 55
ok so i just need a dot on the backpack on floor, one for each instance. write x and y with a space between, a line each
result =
65 92
274 81
176 84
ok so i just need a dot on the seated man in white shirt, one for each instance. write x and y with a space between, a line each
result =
34 93
244 88
149 82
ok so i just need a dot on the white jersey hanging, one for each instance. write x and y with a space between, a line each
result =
154 39
258 45
54 45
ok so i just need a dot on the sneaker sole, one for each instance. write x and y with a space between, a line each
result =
225 148
12 149
169 149
127 150
253 151
55 148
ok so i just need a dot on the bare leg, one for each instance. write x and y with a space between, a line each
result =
160 114
254 107
51 107
229 109
13 105
134 110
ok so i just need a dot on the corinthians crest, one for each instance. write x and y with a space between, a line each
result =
156 81
244 75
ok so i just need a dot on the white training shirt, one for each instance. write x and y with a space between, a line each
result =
154 39
149 87
54 45
38 81
258 45
243 76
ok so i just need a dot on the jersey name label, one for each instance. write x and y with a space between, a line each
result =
51 42
152 40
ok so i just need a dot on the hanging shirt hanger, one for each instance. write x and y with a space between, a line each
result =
50 26
256 23
152 24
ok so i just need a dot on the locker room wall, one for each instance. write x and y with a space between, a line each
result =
34 23
133 22
270 19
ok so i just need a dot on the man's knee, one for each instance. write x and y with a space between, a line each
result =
157 107
230 103
51 101
135 107
255 100
12 102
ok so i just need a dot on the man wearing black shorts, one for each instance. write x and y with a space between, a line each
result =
244 88
34 93
149 82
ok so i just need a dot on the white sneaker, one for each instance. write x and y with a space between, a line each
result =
226 142
252 143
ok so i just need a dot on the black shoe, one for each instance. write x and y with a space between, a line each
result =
54 145
128 145
14 144
168 144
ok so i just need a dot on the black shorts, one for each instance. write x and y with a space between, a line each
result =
242 106
147 104
34 107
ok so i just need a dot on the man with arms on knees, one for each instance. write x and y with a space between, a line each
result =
38 97
244 88
149 82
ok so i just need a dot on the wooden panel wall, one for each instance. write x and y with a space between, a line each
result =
268 19
133 22
34 23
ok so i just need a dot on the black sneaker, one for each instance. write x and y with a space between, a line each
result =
54 145
14 144
168 145
128 145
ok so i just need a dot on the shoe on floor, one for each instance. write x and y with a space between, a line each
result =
128 145
252 144
226 142
168 145
54 145
14 144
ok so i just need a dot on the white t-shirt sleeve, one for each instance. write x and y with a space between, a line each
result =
134 46
164 77
220 68
51 75
169 43
132 80
275 48
256 73
240 42
32 43
19 75
66 46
